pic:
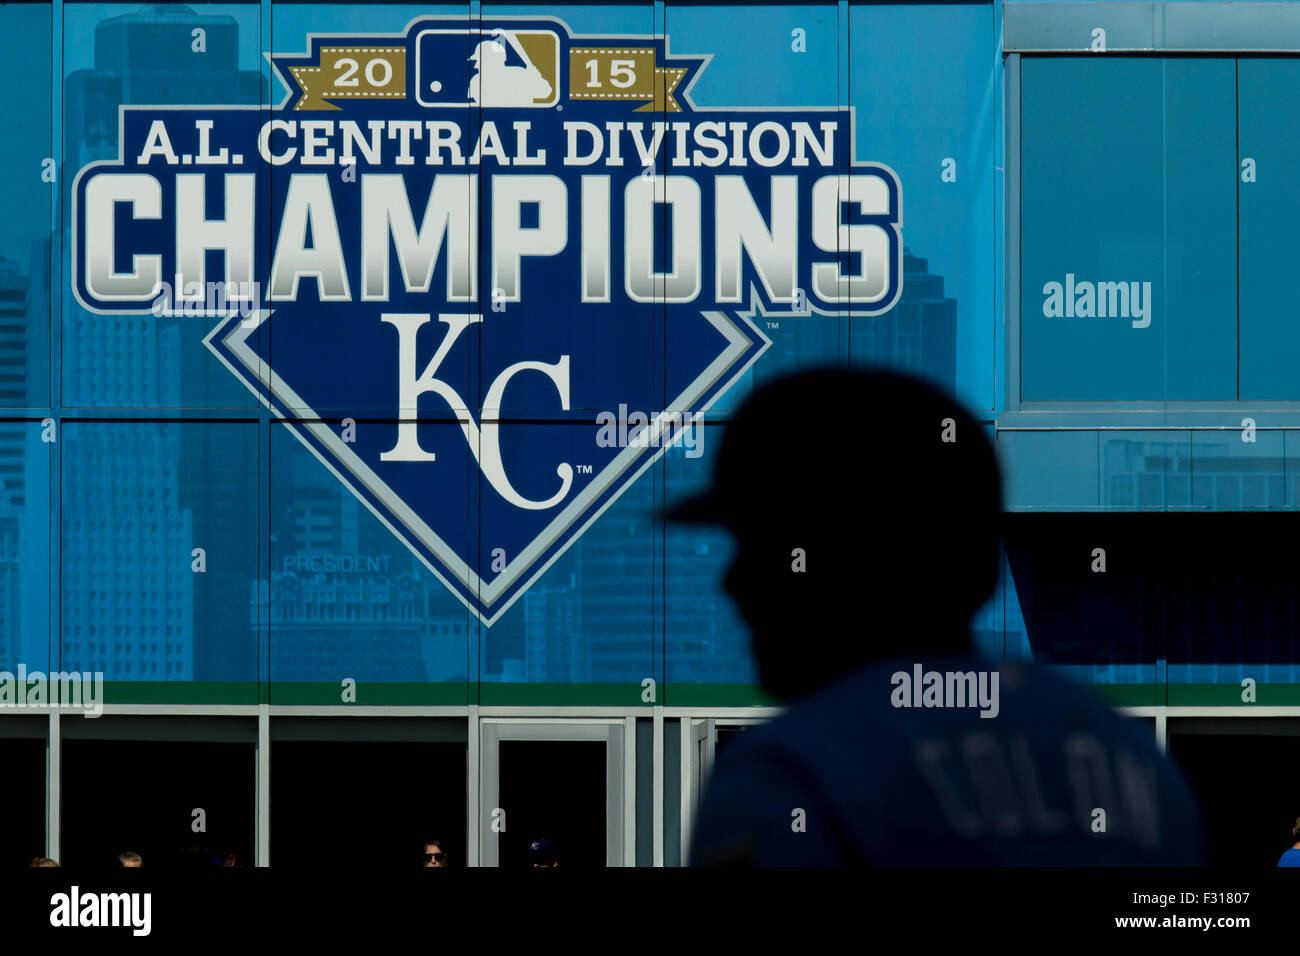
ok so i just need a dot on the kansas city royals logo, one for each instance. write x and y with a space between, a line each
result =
470 240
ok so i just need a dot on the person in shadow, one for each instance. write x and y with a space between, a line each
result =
865 510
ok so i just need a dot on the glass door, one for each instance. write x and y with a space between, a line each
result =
552 792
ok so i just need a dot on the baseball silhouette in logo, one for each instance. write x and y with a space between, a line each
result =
496 84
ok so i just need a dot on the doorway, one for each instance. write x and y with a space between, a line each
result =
560 781
350 803
703 739
1245 774
22 798
178 804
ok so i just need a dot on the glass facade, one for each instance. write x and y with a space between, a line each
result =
202 551
1088 245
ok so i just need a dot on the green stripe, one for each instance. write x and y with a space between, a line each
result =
180 692
500 694
369 694
1229 695
503 694
455 694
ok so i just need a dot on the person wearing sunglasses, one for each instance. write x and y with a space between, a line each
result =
434 854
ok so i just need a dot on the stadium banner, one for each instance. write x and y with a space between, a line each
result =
418 188
400 329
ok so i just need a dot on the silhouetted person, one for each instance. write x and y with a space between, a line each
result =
865 510
542 853
1291 857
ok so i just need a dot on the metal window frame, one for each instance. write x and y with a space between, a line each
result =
475 718
1163 28
696 727
620 768
549 723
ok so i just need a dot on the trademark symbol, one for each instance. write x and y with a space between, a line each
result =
774 325
584 469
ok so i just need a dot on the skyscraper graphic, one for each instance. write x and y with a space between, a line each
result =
30 494
615 569
36 342
128 588
706 640
24 462
139 496
10 585
14 311
143 58
919 334
345 598
554 645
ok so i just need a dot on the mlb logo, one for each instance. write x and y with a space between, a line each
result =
487 67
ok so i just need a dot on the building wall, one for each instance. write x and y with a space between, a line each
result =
125 445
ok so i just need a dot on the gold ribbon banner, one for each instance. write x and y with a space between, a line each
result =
623 73
352 73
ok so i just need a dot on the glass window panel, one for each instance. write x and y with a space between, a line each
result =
138 603
1145 238
347 598
122 54
27 193
1270 206
936 68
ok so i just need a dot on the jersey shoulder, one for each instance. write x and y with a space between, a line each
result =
912 784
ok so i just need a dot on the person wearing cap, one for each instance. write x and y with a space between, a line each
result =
542 853
1291 857
865 509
